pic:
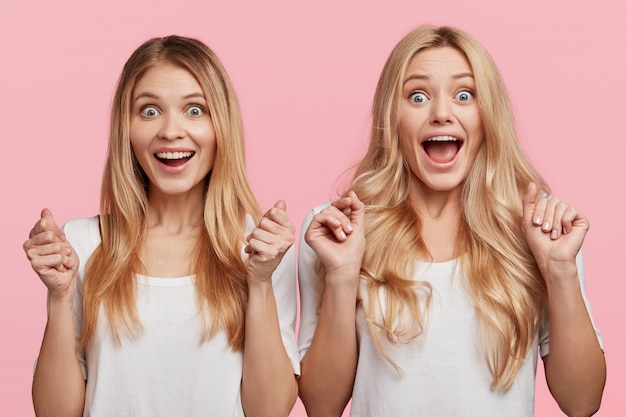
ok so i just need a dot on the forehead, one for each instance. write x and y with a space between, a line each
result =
166 76
440 61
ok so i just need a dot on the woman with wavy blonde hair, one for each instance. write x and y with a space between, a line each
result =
152 302
451 255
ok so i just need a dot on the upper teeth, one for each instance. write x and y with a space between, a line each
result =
443 139
174 155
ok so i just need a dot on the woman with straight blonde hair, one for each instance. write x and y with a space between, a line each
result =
180 298
427 288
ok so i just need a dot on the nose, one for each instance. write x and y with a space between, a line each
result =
171 127
441 112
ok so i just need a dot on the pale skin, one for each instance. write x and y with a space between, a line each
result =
575 367
438 100
169 115
329 366
269 387
58 384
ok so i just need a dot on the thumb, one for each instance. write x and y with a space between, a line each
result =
46 213
48 222
529 202
357 210
280 204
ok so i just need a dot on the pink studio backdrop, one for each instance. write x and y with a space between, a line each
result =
305 75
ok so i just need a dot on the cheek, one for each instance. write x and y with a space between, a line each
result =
137 136
205 135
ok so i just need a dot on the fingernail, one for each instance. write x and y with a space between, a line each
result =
349 227
546 226
537 221
553 235
342 234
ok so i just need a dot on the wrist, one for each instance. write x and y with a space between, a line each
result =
343 279
60 300
559 275
259 282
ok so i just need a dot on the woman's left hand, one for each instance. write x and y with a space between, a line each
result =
268 242
554 230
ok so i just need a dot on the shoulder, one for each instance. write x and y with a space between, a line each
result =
84 236
315 210
250 224
306 255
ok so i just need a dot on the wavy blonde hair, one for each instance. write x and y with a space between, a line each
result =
220 272
502 275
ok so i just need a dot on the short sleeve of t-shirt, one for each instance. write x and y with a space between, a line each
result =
84 236
308 283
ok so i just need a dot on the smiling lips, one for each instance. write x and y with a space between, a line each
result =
442 149
174 159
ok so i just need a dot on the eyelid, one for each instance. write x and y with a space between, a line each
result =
414 92
199 106
466 90
148 106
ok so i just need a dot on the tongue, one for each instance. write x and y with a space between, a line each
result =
174 162
441 152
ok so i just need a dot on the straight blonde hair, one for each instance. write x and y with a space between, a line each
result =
501 273
220 274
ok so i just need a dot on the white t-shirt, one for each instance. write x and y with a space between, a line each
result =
167 371
443 371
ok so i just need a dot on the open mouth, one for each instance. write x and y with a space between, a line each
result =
174 159
442 149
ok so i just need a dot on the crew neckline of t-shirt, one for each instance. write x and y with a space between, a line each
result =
165 282
437 267
442 264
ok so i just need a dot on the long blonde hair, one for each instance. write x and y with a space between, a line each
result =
220 272
502 275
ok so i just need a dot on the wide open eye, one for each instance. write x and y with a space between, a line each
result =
418 97
464 96
149 111
195 111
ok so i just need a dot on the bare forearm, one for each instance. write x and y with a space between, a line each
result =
58 385
575 367
329 366
269 387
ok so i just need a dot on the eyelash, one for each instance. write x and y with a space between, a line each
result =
466 90
412 93
199 106
145 107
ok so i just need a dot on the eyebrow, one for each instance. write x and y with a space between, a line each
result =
426 77
153 96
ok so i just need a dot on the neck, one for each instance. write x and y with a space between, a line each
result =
175 213
441 218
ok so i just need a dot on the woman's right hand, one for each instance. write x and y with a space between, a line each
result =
339 239
52 257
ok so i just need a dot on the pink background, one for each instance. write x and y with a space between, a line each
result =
305 75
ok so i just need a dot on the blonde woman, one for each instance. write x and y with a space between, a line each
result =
179 299
427 288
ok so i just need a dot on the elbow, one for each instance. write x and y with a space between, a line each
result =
322 405
270 405
583 409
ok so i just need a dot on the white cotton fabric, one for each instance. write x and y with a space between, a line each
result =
166 371
443 372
